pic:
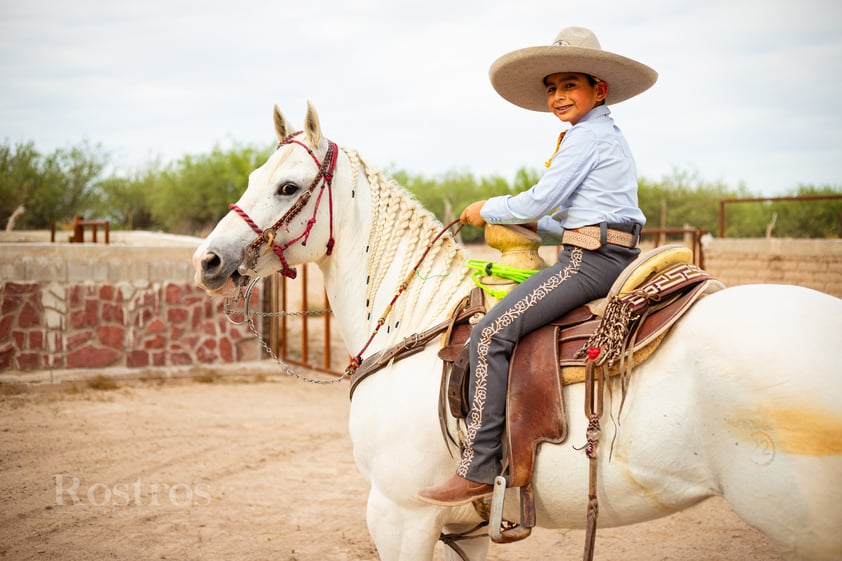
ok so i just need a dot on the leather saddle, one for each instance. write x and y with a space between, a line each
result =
647 299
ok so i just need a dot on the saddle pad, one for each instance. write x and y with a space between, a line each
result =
649 334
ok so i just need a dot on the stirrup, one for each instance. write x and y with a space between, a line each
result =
501 532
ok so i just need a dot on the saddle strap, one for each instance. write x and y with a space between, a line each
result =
470 305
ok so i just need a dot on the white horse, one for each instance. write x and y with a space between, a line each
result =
743 399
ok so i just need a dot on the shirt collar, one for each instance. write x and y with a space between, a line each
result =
595 113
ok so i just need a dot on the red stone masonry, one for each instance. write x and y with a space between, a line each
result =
95 325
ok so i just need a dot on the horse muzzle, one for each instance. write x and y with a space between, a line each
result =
216 274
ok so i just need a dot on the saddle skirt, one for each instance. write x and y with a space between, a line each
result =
646 300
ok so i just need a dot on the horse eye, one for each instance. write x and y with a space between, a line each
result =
287 189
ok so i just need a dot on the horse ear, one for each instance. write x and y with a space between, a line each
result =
312 128
282 126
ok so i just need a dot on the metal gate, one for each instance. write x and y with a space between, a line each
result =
296 333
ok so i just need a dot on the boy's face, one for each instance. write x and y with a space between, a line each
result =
570 95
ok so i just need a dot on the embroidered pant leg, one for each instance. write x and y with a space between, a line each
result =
579 277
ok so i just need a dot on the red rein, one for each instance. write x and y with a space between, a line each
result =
325 177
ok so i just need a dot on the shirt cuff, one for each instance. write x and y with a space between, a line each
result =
496 211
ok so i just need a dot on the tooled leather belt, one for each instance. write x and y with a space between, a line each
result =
590 237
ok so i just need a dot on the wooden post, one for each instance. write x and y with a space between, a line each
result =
78 230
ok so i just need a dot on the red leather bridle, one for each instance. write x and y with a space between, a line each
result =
267 236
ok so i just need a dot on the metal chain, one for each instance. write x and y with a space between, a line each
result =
284 366
249 318
292 314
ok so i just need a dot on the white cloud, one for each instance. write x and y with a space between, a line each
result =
747 88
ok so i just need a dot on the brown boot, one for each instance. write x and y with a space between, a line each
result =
455 491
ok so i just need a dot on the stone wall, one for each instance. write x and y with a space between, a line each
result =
814 264
91 306
133 303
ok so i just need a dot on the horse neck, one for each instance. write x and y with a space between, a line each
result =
382 233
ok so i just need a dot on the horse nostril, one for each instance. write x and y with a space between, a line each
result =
211 263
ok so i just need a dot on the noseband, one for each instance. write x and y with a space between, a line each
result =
267 236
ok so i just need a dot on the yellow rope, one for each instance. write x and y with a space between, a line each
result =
549 162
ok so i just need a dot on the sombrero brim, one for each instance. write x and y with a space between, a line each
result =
518 76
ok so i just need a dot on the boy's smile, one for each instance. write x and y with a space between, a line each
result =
570 95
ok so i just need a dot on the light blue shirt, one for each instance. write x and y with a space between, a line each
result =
592 179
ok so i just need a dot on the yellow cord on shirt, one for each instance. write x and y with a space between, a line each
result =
549 162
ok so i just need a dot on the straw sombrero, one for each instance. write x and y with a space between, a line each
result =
518 76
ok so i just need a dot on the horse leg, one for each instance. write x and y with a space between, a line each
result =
401 532
410 533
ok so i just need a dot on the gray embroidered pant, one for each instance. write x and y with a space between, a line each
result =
579 277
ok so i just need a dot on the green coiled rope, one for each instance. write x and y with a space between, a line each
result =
489 268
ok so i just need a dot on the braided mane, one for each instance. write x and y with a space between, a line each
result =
400 222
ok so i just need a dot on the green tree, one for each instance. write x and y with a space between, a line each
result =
808 218
192 194
524 179
448 194
54 187
19 174
126 202
685 199
680 199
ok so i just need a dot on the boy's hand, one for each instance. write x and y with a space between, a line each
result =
471 215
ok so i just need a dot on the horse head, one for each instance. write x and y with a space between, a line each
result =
284 218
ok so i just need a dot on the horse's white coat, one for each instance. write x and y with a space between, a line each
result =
743 400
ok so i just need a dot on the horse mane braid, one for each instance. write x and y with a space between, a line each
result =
400 223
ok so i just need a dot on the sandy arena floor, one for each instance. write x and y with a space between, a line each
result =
245 469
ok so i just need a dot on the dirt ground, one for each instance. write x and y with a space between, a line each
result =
252 468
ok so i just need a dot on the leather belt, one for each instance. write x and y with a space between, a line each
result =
590 237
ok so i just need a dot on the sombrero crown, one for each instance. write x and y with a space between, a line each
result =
519 76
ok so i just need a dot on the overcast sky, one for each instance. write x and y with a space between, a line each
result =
749 90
